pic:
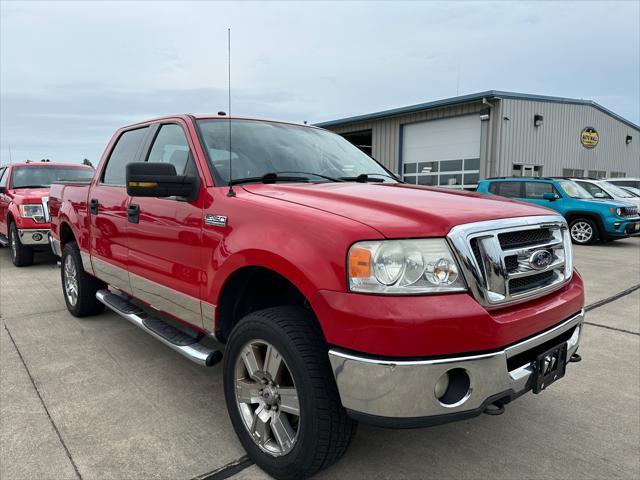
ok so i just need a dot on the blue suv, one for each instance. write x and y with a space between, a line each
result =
590 219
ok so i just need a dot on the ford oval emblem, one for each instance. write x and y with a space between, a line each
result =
540 259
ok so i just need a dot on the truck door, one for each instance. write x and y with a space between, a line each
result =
107 205
165 234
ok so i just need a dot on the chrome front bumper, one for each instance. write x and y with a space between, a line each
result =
402 393
30 236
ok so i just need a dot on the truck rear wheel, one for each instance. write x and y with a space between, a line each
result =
281 394
78 286
21 256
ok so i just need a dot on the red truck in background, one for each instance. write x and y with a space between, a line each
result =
340 293
24 192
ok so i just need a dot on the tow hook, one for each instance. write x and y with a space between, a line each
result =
496 408
575 358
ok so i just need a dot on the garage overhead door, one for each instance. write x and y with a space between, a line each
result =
442 152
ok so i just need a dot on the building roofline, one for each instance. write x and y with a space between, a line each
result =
473 97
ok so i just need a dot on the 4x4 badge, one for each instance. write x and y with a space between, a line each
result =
215 220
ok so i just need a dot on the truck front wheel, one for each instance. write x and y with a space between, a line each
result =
21 256
281 394
78 286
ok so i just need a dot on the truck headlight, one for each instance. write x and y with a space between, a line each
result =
33 211
404 267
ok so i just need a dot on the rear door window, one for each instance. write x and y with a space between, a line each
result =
506 189
536 190
126 151
171 146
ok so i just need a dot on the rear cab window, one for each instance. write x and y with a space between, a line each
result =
126 150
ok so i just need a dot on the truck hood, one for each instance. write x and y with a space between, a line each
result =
400 210
30 195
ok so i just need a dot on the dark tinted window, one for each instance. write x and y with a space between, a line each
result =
537 190
507 189
472 164
44 176
171 146
125 151
450 166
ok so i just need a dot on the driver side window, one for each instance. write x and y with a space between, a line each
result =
171 146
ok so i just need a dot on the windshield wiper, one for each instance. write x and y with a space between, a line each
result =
364 178
270 177
31 186
326 177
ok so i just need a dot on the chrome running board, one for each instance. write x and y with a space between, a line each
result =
185 343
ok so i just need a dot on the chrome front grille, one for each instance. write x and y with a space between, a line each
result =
515 259
629 212
45 208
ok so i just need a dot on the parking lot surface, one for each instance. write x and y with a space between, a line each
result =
97 398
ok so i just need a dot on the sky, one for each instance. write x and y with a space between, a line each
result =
71 73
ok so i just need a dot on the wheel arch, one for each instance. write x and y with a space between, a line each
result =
251 288
576 214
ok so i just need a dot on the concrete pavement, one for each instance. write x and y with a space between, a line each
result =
97 398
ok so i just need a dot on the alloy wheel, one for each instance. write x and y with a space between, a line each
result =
267 398
70 280
581 232
14 245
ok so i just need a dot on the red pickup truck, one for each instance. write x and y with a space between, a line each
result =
340 293
24 191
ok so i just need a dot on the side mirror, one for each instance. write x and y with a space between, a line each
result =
599 195
550 196
159 179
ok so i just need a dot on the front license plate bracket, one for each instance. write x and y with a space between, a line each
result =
549 367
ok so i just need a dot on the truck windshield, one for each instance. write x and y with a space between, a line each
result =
259 148
44 176
574 190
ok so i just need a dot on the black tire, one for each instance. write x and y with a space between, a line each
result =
324 429
583 231
86 302
21 255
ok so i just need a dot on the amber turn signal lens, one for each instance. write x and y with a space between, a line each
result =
359 263
143 184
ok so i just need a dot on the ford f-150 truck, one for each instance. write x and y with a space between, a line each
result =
24 192
340 293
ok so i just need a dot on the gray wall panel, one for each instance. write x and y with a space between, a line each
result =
556 144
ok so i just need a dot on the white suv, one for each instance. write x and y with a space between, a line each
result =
606 189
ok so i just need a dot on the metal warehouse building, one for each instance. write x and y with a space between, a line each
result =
457 141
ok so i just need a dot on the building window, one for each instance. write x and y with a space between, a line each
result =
521 170
597 174
462 173
572 172
617 174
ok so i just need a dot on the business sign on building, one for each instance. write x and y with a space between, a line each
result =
589 137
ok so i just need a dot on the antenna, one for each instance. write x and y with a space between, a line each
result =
230 192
